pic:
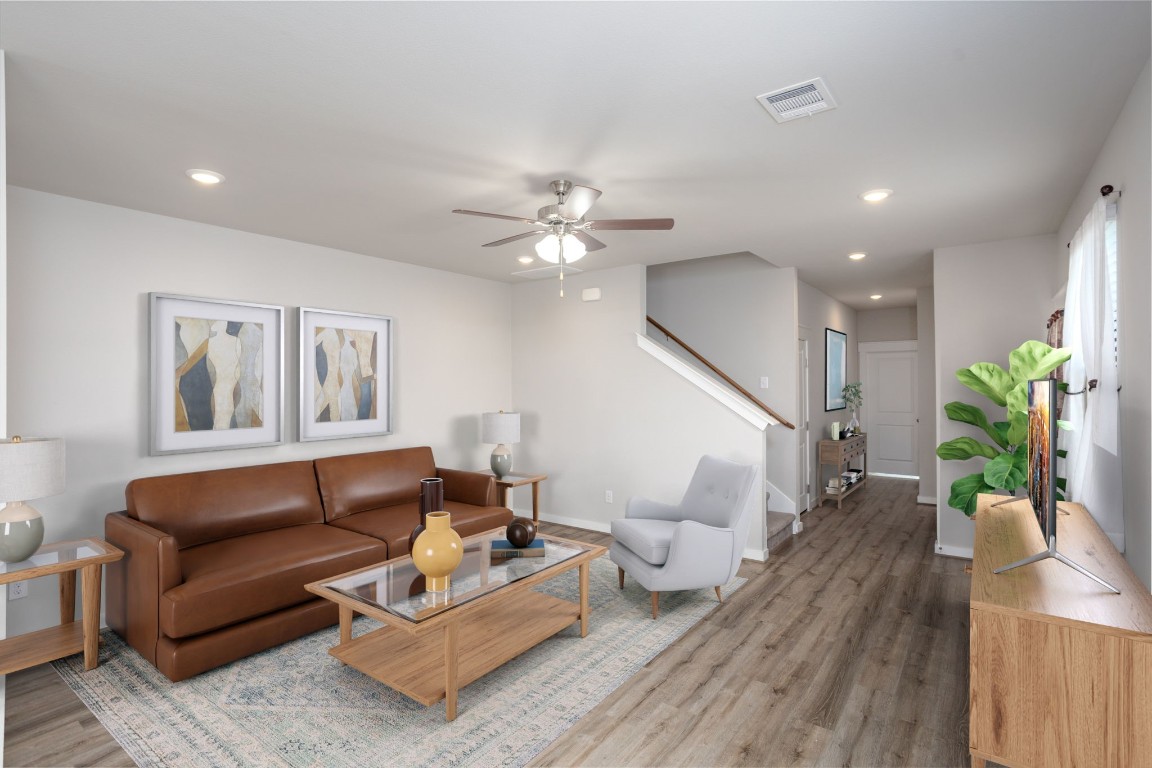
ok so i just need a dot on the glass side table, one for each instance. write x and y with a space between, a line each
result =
64 558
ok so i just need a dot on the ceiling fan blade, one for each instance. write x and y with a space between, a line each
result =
514 238
496 216
603 224
578 201
590 243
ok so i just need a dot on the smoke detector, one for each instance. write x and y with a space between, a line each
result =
796 101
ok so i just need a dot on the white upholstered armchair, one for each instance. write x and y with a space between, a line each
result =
697 543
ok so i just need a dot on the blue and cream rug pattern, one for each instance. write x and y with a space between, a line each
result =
297 706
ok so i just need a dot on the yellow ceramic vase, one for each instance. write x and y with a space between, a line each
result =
437 551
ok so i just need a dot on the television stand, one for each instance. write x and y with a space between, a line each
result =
1052 553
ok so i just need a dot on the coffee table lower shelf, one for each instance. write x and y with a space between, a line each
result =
416 664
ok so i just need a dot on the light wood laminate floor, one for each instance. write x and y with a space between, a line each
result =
848 648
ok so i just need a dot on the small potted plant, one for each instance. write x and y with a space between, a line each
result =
854 398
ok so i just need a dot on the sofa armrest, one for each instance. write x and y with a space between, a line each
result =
468 487
134 584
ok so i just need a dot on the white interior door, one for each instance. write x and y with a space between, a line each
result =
804 456
890 408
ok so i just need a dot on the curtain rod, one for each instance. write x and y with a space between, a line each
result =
1105 190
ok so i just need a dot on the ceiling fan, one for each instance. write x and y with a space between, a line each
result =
564 227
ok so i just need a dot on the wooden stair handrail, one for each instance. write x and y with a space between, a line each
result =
721 374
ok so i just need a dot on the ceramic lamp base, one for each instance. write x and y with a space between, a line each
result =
21 532
501 461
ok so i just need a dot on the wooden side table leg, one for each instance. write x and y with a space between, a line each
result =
451 661
536 502
90 607
67 597
584 571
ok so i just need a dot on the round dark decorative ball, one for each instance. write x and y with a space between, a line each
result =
521 532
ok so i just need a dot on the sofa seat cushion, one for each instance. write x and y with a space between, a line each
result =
649 539
393 525
244 577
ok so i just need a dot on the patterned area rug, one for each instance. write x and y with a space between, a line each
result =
297 706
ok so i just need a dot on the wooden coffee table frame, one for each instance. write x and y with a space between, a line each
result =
432 659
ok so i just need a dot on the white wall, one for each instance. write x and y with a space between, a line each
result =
989 299
891 324
599 414
819 311
79 277
1125 162
3 347
926 441
740 313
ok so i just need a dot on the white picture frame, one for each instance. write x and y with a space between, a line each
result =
216 374
345 374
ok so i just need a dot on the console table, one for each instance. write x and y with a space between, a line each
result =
63 558
1061 668
839 454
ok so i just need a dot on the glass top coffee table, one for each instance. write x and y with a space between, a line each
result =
447 640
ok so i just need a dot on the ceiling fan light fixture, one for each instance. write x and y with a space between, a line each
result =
549 249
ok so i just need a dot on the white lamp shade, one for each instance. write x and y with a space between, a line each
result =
31 468
548 249
503 428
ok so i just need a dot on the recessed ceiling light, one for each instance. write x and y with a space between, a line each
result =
525 259
876 296
857 256
876 195
204 176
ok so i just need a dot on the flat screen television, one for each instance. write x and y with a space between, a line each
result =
1042 474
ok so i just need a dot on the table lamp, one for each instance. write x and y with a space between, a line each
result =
502 428
30 468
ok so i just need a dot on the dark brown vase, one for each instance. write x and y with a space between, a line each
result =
521 532
431 500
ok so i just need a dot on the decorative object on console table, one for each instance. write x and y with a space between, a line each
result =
503 429
854 398
437 551
217 374
835 369
345 374
521 532
30 468
431 500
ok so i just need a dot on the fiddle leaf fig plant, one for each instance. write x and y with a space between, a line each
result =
1007 453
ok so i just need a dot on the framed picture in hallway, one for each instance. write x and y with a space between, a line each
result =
345 374
217 373
835 369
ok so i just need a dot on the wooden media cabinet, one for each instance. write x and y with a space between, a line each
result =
1060 668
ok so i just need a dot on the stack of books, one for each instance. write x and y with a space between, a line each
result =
844 481
503 550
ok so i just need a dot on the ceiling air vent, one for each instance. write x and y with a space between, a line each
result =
800 100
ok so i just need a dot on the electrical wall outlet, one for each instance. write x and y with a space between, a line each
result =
17 590
608 497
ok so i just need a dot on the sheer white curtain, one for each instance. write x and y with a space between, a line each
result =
1092 466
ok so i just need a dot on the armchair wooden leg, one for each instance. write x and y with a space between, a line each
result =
719 597
655 604
621 570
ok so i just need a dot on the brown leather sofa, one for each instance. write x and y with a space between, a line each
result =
216 562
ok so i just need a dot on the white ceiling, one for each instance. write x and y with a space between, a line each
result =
360 126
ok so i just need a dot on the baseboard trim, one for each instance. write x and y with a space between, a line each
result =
759 555
948 551
929 500
575 522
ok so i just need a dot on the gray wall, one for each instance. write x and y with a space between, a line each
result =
1125 162
891 324
740 312
78 278
989 299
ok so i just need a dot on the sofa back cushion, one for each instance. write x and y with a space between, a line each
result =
362 481
199 507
